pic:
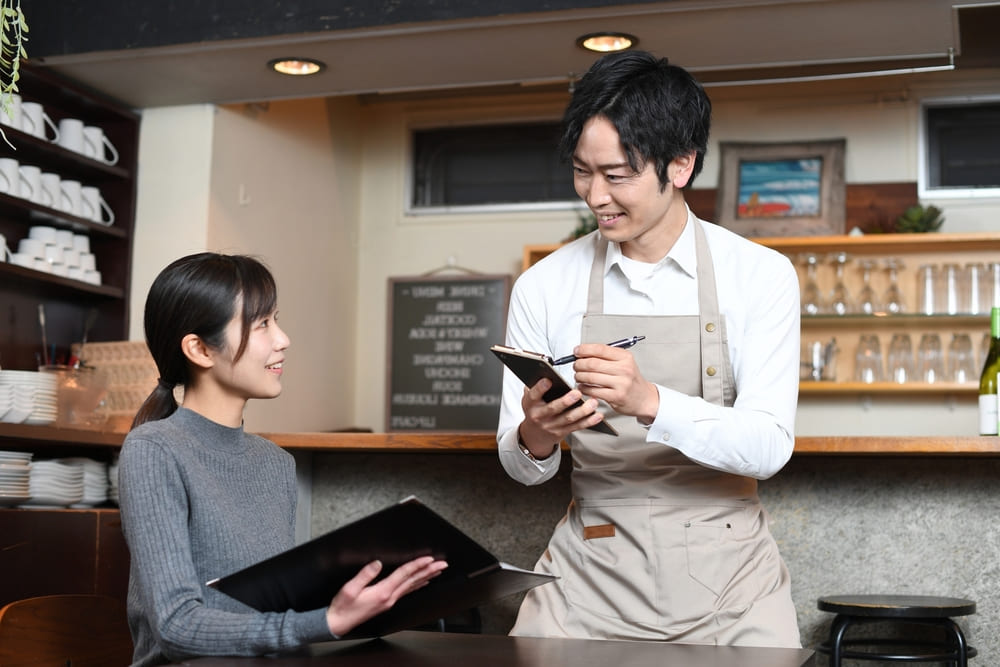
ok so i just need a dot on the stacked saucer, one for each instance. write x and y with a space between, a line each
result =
55 484
95 480
15 473
28 397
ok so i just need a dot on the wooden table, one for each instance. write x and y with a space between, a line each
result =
431 649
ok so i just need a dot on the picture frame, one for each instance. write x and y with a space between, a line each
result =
782 189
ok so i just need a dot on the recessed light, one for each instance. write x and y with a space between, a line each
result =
296 66
605 42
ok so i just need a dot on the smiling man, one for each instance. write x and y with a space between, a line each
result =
665 538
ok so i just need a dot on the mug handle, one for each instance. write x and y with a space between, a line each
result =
27 120
111 147
55 130
7 184
106 209
31 188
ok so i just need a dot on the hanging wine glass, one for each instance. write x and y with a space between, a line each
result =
840 298
867 301
812 298
893 299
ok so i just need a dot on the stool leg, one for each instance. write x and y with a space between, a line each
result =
837 630
963 649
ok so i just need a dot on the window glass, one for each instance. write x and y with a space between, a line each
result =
490 164
963 145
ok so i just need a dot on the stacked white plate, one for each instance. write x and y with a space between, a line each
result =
55 484
95 480
15 474
28 397
113 481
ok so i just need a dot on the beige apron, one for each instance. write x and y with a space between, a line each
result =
653 545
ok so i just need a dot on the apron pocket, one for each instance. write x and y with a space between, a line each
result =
611 574
713 554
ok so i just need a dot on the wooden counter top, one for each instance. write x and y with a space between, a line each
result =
39 438
486 442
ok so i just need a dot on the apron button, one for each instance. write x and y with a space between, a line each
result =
710 371
710 327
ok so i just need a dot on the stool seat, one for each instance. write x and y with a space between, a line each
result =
924 610
897 606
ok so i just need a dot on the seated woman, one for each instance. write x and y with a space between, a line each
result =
200 498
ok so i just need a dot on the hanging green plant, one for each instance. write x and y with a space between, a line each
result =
13 29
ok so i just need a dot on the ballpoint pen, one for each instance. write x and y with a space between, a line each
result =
624 343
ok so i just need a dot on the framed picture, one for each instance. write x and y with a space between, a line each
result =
782 189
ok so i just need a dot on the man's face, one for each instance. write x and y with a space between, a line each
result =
630 206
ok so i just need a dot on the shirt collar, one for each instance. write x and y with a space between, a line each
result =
683 254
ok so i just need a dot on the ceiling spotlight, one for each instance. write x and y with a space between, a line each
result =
604 42
296 66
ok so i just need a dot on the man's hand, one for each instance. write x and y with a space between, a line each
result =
546 424
611 375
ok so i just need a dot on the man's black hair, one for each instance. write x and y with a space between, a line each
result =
660 111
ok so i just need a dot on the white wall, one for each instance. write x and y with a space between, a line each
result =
279 181
327 186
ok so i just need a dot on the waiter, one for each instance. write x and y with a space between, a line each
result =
665 538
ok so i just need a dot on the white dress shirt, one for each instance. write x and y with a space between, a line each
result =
758 295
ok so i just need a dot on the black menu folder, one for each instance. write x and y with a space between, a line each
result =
310 574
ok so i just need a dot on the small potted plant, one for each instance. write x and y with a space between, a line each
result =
918 219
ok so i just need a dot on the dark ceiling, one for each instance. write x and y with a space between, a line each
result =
175 52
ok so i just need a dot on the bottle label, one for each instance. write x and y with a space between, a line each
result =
988 414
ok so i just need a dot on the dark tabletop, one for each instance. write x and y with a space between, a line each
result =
432 649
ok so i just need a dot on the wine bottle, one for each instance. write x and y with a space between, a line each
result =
988 381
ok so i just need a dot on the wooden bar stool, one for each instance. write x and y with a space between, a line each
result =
916 609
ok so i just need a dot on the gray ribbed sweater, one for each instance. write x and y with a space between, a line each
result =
198 501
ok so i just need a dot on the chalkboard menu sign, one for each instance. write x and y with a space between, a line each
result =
442 376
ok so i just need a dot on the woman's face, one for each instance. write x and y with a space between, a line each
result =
257 373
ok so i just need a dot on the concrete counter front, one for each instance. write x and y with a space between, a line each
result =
851 515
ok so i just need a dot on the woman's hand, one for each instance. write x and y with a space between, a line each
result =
358 601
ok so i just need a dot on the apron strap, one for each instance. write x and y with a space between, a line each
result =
712 355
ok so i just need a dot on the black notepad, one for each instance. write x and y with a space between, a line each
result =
530 367
308 576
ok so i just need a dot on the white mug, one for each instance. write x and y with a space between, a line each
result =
64 238
34 119
23 259
73 201
32 177
10 176
43 233
50 187
14 119
53 254
71 257
31 247
71 134
97 146
81 242
101 212
4 250
87 261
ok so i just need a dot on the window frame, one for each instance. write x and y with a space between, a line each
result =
924 188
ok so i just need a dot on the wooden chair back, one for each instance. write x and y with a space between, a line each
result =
65 631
